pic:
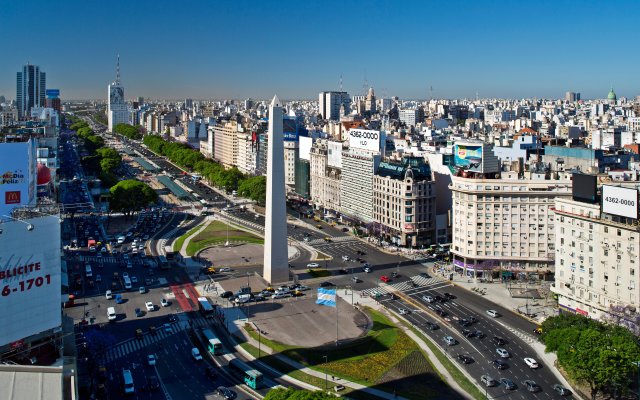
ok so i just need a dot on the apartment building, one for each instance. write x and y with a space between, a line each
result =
506 224
225 143
404 202
290 155
325 175
597 260
247 153
356 184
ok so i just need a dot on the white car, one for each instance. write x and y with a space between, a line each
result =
502 352
151 359
428 299
403 311
125 274
108 294
533 364
345 258
313 265
195 353
164 303
366 269
150 306
142 290
493 313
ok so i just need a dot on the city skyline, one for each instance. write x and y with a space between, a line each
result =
252 49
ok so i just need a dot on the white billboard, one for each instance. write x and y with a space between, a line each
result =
304 147
364 139
620 201
334 156
30 277
17 175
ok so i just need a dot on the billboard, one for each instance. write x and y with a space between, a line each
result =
17 175
52 93
30 277
584 188
304 148
364 139
334 156
289 129
620 201
468 156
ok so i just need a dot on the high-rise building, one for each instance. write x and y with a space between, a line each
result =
409 117
572 96
53 100
31 84
370 102
117 111
330 102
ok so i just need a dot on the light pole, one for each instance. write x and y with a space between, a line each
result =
326 379
259 339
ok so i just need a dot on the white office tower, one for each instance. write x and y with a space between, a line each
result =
276 267
117 111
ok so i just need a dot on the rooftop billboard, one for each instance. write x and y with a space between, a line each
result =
364 139
30 278
620 201
304 147
334 156
468 156
17 175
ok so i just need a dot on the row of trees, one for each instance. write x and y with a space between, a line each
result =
129 196
130 131
101 161
253 187
604 356
294 394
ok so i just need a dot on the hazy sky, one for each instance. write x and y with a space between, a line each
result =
239 49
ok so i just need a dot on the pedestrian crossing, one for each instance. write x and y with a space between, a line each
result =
95 259
162 332
419 281
337 239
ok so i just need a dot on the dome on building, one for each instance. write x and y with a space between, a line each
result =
44 174
612 95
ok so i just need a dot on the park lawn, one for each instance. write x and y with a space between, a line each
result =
216 233
366 360
177 245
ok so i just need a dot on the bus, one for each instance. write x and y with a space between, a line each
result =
251 377
214 345
206 309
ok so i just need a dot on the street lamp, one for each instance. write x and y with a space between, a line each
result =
326 379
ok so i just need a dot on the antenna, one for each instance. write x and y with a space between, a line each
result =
365 84
476 95
341 82
118 69
430 92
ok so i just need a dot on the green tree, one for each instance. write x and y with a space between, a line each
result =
294 394
130 131
129 196
254 188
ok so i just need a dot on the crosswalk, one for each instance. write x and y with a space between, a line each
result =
95 259
420 281
132 345
337 239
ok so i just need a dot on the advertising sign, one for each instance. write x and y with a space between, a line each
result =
17 186
305 147
334 156
289 130
30 277
468 156
52 93
364 139
620 201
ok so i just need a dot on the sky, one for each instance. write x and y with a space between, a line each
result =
221 49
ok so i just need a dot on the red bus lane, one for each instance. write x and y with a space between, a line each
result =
193 293
180 297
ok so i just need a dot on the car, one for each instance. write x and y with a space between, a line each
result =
508 384
153 382
427 298
355 279
278 295
403 311
488 381
478 334
224 269
465 359
531 363
499 364
226 295
345 258
226 393
98 278
109 294
449 296
164 302
464 322
139 312
366 269
313 265
441 312
167 328
134 280
472 319
303 288
502 352
531 386
385 279
125 275
148 281
195 353
151 359
561 390
326 284
493 313
343 271
142 290
449 340
149 305
499 341
431 325
439 299
103 250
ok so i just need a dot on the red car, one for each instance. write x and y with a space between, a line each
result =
385 279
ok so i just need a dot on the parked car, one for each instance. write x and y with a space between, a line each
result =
149 305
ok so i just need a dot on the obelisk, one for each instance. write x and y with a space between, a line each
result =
276 267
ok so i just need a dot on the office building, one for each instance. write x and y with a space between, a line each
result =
571 97
31 84
225 143
325 175
330 102
409 117
356 184
117 109
53 100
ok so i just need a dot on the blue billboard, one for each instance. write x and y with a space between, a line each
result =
290 129
52 93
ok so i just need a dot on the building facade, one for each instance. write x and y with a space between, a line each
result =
325 178
31 85
506 224
404 207
225 143
329 104
356 183
247 153
117 109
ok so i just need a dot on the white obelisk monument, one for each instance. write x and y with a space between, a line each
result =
276 266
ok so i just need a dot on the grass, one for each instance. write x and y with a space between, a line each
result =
381 359
216 233
177 244
319 272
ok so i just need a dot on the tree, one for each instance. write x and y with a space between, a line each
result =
294 394
130 131
254 188
129 196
